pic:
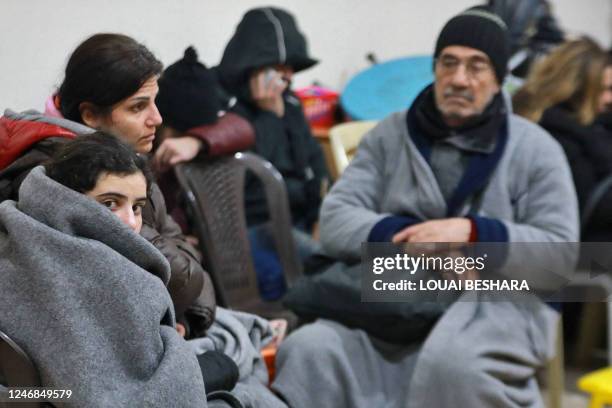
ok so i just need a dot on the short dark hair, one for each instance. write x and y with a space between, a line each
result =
79 162
103 70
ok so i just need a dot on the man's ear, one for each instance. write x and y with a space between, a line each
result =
90 115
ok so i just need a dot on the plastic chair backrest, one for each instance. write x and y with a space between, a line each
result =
344 139
215 195
17 370
594 200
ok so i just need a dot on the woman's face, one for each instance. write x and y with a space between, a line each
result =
124 195
605 100
134 119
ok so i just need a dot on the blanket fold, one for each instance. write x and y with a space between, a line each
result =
84 296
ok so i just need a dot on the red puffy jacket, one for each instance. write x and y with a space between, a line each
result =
18 135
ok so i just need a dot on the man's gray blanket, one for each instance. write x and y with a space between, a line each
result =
483 352
84 296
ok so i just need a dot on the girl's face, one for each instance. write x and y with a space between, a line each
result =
133 119
124 195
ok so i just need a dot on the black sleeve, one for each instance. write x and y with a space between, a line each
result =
189 286
315 160
218 370
583 170
598 147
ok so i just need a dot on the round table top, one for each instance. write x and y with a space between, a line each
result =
387 87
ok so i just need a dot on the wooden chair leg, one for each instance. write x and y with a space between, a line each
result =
590 332
556 372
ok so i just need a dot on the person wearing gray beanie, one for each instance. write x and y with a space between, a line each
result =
470 60
459 167
481 29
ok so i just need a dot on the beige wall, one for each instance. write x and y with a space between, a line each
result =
37 35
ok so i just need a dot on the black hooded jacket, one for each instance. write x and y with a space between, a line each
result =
267 37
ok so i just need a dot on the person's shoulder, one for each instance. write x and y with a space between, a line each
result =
532 145
521 127
390 129
527 134
386 136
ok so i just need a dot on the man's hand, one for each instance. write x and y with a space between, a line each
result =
176 150
446 230
470 274
181 329
467 274
193 240
315 231
267 87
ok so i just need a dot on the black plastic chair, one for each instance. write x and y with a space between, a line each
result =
593 204
215 197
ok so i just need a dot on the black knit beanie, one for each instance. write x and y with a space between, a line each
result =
481 29
188 94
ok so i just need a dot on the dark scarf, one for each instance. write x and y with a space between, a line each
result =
481 128
486 136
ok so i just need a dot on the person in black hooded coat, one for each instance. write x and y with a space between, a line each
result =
257 65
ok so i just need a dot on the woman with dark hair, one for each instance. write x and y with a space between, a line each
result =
86 293
110 84
562 94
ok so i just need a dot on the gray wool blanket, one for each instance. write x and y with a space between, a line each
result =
85 297
480 354
241 336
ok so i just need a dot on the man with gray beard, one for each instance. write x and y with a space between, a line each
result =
457 166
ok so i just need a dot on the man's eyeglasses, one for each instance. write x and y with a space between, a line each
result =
474 67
